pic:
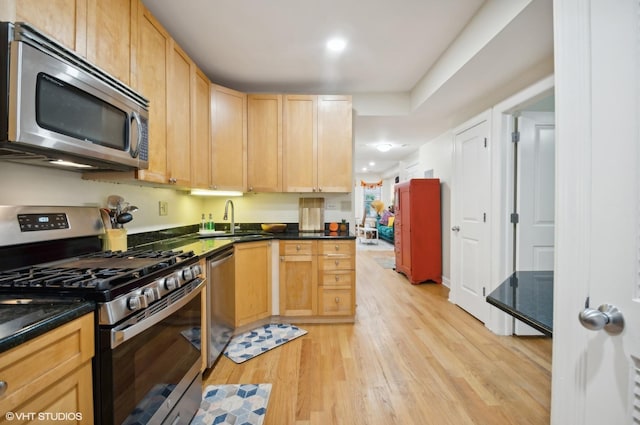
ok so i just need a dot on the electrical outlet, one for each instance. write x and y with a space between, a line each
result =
163 208
331 206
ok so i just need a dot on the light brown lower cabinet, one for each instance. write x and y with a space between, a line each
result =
317 278
336 271
252 281
50 373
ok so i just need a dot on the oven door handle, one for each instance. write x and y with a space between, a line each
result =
120 336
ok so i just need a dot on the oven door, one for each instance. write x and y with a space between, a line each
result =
149 370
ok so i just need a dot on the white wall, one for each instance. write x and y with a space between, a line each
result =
437 155
278 207
30 185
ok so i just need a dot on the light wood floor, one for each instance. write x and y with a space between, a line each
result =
411 358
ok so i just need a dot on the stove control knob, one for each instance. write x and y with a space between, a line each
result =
170 283
187 274
149 294
133 303
197 270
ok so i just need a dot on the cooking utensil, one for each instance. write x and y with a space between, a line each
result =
123 218
129 208
114 200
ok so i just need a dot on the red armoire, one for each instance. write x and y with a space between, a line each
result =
417 230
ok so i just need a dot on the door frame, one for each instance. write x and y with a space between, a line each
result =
502 176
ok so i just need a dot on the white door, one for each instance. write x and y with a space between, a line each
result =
596 375
470 231
536 193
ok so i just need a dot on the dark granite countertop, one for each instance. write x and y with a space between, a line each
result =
21 322
207 246
527 296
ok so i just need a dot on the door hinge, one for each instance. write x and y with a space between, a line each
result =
515 137
485 142
484 217
515 218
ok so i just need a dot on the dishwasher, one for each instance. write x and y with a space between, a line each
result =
220 293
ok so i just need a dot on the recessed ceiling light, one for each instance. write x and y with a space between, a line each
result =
336 44
384 147
371 164
364 168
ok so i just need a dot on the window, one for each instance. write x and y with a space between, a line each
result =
370 195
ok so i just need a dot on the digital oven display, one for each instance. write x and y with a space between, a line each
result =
37 222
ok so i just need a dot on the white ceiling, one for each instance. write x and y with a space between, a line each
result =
415 67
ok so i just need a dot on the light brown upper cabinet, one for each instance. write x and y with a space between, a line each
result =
63 20
264 142
317 143
179 98
201 140
111 35
335 143
229 139
150 78
299 143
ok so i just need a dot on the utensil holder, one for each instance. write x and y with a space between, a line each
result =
114 240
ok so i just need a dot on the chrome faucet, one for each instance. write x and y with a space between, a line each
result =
225 216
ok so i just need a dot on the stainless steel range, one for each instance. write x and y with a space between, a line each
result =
147 363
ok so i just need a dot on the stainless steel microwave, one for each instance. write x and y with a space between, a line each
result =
57 109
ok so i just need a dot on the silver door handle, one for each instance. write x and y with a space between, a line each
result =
456 228
606 317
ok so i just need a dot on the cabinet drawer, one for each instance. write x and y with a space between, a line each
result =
336 263
298 248
337 278
36 365
335 302
337 247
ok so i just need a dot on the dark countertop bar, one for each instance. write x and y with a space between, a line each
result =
207 246
20 323
527 296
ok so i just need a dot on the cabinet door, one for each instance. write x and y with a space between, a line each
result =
201 141
298 285
298 278
150 79
109 36
299 145
179 117
405 231
335 144
229 144
253 281
264 142
63 20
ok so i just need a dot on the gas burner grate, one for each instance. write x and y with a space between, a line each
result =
93 272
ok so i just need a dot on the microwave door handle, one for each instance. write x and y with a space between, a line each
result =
134 148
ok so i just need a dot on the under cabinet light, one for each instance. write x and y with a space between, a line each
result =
204 192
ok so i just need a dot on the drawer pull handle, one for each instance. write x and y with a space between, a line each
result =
337 278
297 247
337 262
337 247
337 300
3 387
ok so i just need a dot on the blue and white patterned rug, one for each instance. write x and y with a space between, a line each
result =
253 343
233 404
